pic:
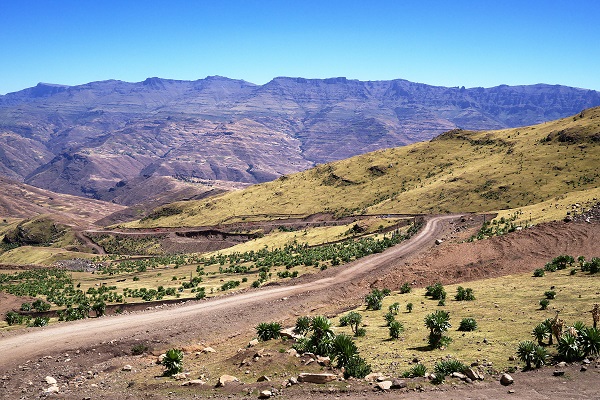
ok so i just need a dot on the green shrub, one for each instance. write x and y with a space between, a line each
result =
544 304
343 350
268 330
438 323
447 367
409 307
357 367
396 328
526 352
467 325
436 291
139 349
463 294
569 348
360 332
375 298
540 356
200 293
389 318
415 371
394 308
353 319
405 288
173 362
39 321
541 332
539 272
40 305
302 325
590 342
26 307
550 294
13 318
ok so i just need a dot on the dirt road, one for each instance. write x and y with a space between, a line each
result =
91 332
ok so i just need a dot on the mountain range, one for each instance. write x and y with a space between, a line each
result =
112 140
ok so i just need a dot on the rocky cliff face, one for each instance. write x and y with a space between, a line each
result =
95 138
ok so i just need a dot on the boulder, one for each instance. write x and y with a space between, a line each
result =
458 375
224 379
126 368
323 361
506 379
265 394
253 343
208 350
293 381
263 378
316 378
398 384
181 376
374 376
472 374
384 385
558 373
52 389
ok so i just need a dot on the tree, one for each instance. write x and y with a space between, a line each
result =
353 319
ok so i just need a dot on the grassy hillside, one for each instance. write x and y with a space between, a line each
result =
456 172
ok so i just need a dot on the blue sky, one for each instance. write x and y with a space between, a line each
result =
447 43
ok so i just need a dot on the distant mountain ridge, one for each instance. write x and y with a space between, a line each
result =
103 138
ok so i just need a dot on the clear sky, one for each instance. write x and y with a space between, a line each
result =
448 43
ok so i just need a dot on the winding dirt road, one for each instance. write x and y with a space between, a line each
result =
194 317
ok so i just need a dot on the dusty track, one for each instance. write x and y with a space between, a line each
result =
187 319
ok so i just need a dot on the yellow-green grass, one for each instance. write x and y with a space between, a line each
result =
555 208
506 310
311 236
39 255
458 172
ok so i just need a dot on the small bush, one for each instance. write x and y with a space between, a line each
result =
353 319
568 347
360 332
389 318
438 323
436 291
405 288
200 293
550 294
541 332
442 302
139 349
463 294
544 304
446 367
302 325
396 328
26 307
590 342
375 298
39 321
394 308
467 325
13 318
525 352
40 305
409 307
416 371
357 367
538 273
173 362
268 330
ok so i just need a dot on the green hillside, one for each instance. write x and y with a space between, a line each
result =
458 171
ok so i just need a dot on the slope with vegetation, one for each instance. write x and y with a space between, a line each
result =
458 171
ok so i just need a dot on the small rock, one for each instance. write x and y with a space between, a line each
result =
561 364
127 368
511 391
194 382
506 379
382 378
52 389
558 373
439 241
586 361
583 368
160 358
472 374
384 385
324 361
253 343
265 394
50 380
292 352
398 384
468 380
316 378
458 375
180 376
263 378
224 379
293 381
208 350
511 358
